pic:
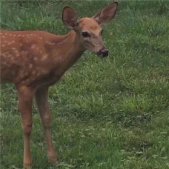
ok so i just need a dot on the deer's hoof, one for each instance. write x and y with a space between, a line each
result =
27 166
53 159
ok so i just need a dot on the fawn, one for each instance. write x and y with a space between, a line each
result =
35 60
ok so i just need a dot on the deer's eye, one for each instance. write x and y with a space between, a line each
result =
85 34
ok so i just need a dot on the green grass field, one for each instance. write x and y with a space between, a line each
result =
108 113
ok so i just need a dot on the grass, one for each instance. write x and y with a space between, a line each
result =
107 113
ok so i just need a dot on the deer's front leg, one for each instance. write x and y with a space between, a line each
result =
25 107
43 106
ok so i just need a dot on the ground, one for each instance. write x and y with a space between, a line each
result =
108 113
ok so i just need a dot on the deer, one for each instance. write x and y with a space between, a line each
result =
35 60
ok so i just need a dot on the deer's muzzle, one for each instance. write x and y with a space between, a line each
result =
103 52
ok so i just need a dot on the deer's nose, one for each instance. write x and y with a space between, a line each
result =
103 52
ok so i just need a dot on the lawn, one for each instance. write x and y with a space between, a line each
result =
108 113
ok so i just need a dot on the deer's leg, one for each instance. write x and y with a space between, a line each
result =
43 106
25 107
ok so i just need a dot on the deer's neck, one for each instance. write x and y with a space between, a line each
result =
67 50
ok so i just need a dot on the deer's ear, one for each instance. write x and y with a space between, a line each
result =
106 14
69 17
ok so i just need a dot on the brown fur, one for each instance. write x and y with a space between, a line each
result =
33 56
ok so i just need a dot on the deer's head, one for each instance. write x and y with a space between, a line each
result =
90 29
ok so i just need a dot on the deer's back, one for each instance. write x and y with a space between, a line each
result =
24 56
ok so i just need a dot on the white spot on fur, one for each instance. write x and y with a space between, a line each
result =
35 58
44 57
30 66
33 46
50 43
